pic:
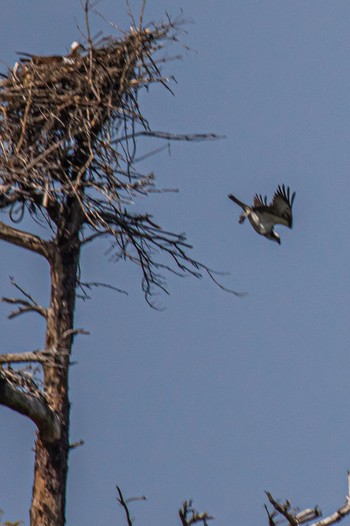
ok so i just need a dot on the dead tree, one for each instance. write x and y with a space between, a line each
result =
283 512
69 127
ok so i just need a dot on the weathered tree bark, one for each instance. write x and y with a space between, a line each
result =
51 459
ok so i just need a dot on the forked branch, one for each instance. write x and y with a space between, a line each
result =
124 504
25 399
24 305
189 515
294 517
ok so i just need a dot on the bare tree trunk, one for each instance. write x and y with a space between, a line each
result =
51 459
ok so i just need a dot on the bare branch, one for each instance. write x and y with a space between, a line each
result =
77 444
296 517
41 356
308 515
271 516
92 237
24 240
26 307
29 305
34 407
30 356
91 284
189 515
124 505
211 275
337 516
25 310
73 332
135 499
283 509
188 137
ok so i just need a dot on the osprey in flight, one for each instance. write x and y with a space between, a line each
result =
264 217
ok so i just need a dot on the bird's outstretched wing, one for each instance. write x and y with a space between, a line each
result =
259 201
281 207
39 60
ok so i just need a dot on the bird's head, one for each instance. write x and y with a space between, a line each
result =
76 48
276 237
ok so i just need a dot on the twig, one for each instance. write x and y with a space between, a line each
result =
26 307
283 509
124 505
73 332
271 516
188 515
30 356
295 518
77 444
91 284
192 137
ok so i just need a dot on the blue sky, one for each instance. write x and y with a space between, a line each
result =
215 398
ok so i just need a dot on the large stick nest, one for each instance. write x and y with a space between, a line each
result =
66 125
68 133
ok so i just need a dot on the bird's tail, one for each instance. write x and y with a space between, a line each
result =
238 202
245 207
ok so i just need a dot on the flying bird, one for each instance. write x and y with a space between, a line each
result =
263 217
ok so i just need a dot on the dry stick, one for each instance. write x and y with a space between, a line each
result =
282 509
123 503
30 356
26 307
310 514
24 120
188 515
